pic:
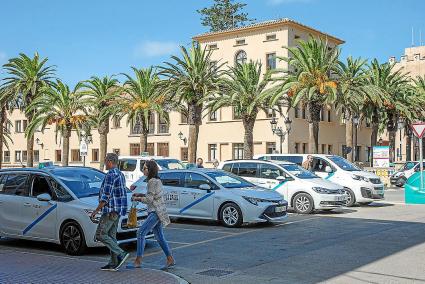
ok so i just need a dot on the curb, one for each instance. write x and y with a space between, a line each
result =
178 278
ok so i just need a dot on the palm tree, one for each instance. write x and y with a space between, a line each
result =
26 77
103 92
6 105
141 99
244 90
60 106
191 80
310 80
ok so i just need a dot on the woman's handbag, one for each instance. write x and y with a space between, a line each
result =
132 216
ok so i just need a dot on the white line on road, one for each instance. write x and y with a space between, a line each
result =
198 230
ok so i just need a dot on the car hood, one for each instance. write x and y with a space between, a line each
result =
93 201
319 182
365 174
256 192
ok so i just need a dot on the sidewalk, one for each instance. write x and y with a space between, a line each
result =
20 267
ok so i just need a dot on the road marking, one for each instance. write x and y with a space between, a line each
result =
376 222
297 221
199 230
178 243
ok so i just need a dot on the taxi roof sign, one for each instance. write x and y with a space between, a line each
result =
144 154
418 129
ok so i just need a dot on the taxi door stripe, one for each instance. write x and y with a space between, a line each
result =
196 202
42 216
279 185
329 175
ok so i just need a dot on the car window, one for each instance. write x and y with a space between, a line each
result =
343 163
235 168
319 165
194 180
409 165
40 186
61 193
170 164
299 172
16 184
229 180
142 164
127 165
171 179
293 159
270 171
247 170
83 182
227 167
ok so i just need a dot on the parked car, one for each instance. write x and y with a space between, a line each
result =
54 204
303 190
217 195
132 166
400 177
361 187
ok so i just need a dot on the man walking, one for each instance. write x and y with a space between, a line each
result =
112 204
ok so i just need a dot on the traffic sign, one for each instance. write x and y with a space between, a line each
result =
83 148
418 129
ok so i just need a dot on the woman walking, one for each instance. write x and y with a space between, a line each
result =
157 215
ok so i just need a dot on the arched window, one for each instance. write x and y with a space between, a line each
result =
240 57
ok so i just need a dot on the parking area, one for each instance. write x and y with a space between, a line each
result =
380 243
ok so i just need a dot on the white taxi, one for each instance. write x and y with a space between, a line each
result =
217 195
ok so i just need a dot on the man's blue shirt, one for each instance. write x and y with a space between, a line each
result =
114 192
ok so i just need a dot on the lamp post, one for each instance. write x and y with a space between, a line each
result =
400 125
277 130
380 141
356 121
86 138
184 139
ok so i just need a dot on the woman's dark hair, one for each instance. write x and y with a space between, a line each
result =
152 169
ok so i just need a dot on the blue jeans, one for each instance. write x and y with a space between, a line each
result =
153 224
107 234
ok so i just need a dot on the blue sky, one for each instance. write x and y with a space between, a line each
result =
103 37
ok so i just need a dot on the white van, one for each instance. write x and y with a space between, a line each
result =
361 187
303 190
132 166
400 177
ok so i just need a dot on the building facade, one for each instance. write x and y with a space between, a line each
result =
221 133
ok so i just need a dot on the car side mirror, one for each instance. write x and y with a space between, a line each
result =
205 186
44 197
328 169
281 179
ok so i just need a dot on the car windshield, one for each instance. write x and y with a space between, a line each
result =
408 166
170 164
343 164
299 172
228 180
82 182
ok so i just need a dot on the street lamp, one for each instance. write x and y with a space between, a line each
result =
184 139
356 121
380 141
277 130
37 141
400 125
87 138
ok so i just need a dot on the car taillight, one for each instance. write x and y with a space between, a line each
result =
132 187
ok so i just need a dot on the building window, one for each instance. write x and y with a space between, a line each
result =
8 126
213 116
212 152
58 156
151 124
183 118
212 46
304 113
24 156
270 37
116 122
322 114
329 149
237 151
6 156
329 116
150 148
36 156
297 112
358 151
236 113
369 154
163 149
184 154
18 126
240 57
116 151
323 148
297 148
240 42
134 149
305 148
75 155
135 127
270 147
297 37
95 155
18 156
344 151
163 125
271 61
24 125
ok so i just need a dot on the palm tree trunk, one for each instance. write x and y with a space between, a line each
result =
144 135
375 128
408 144
65 147
194 121
391 137
248 142
349 134
103 137
2 126
313 126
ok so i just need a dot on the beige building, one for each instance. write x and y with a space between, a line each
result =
221 133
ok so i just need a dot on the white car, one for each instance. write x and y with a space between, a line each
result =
400 177
360 186
132 166
217 195
54 205
304 190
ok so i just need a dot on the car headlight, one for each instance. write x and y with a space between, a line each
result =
255 201
96 218
357 177
322 190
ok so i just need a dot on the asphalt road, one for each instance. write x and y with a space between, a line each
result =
380 243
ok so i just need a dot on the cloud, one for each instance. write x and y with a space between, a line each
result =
155 48
279 2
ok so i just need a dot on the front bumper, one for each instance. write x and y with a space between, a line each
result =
397 180
374 193
275 213
327 201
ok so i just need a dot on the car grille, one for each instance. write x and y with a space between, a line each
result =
332 203
270 212
375 180
366 192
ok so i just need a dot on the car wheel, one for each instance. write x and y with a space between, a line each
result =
350 197
231 215
72 239
303 203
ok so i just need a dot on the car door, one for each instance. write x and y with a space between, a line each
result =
13 193
41 221
173 185
267 175
196 202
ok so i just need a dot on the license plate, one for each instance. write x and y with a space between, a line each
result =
280 209
339 198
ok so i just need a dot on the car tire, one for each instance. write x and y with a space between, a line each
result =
231 215
303 203
72 239
351 198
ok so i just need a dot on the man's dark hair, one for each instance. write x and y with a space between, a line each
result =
112 157
152 167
